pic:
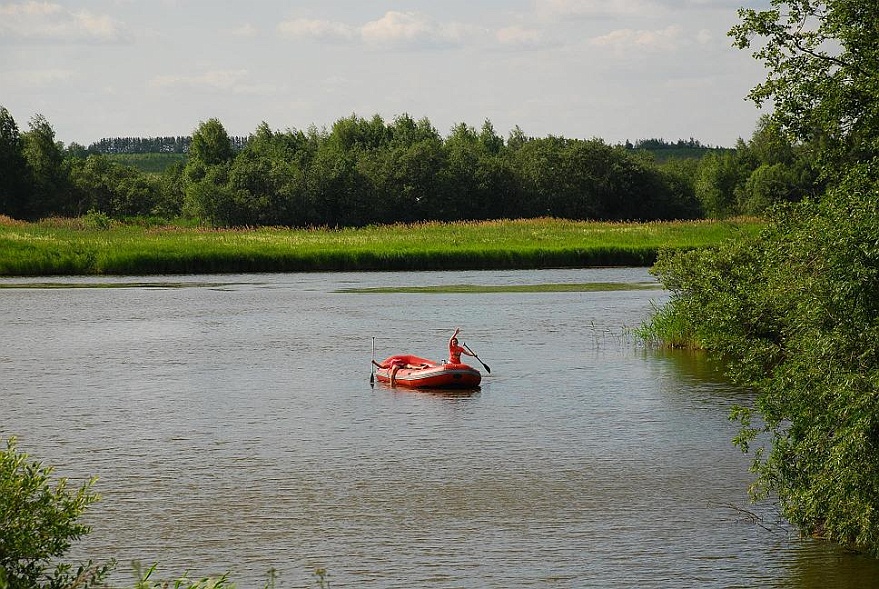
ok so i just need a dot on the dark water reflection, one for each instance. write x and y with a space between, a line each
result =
232 425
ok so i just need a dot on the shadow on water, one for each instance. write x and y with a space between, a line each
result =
457 394
811 564
821 565
704 376
691 364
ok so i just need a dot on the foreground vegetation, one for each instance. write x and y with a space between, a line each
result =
94 245
795 310
39 522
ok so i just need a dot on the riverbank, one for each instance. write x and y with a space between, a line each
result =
82 247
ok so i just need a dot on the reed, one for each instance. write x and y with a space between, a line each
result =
81 246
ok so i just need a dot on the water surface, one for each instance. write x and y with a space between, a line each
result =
233 427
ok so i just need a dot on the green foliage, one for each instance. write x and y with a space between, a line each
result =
146 581
149 163
664 151
15 185
821 60
211 144
100 184
366 171
360 172
38 524
44 158
767 170
97 220
795 312
142 145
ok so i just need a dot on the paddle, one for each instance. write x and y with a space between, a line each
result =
372 364
484 365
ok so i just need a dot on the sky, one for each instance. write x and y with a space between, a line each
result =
616 70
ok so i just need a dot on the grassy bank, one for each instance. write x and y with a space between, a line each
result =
67 247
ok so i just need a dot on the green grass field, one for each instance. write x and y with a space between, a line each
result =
77 247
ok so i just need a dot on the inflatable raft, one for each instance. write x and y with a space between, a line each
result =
420 373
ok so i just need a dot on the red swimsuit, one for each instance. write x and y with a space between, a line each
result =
455 354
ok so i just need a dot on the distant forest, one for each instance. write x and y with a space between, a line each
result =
180 144
371 171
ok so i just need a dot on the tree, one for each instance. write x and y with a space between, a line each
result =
795 312
355 133
211 145
172 189
213 200
770 145
822 58
476 176
45 159
337 188
14 177
720 178
270 171
38 524
780 170
408 179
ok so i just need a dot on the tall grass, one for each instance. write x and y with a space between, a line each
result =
80 246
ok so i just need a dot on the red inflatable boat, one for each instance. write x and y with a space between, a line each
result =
411 371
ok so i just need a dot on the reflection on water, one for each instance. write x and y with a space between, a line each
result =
457 394
235 429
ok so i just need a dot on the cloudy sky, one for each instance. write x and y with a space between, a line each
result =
614 69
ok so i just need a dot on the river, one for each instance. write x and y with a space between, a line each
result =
232 425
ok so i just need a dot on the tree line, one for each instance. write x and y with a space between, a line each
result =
173 144
370 171
176 144
180 144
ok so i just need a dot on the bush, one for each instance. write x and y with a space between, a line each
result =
795 313
38 524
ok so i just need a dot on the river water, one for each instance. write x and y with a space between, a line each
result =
232 425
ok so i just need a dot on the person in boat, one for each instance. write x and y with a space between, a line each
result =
392 367
456 350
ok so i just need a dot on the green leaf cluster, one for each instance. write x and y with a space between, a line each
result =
821 59
38 524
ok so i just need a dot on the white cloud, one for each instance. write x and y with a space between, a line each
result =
181 63
704 37
318 29
47 21
518 35
556 9
394 29
246 30
234 81
627 40
39 78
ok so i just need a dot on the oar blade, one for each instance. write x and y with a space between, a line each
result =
372 364
484 365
